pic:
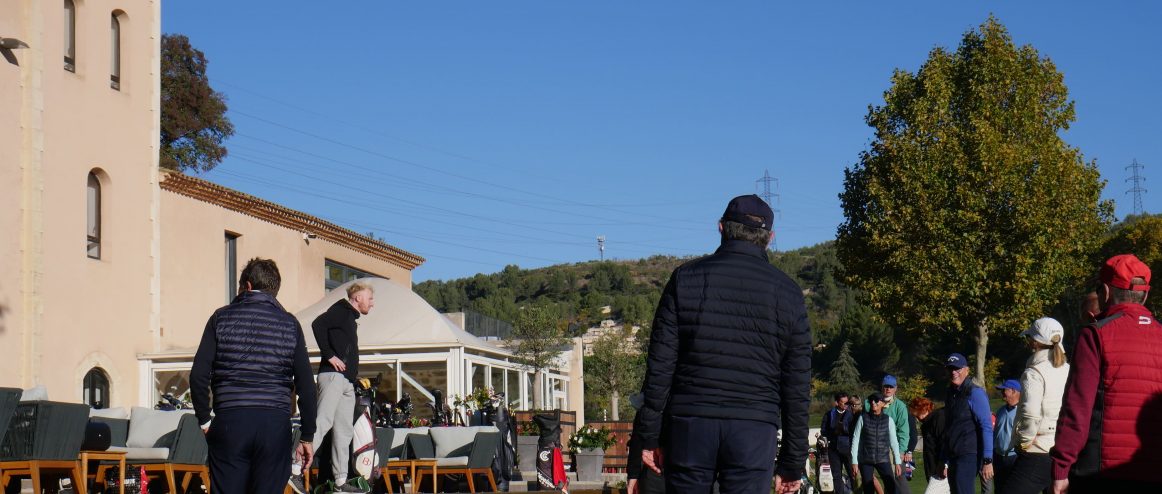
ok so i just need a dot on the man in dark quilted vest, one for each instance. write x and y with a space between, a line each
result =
1109 433
728 367
253 357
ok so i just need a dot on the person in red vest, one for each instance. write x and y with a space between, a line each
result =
1108 437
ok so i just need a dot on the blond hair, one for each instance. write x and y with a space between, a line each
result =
359 286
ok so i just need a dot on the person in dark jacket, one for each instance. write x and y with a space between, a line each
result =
968 433
336 334
876 448
1108 434
932 430
837 426
640 480
253 386
728 365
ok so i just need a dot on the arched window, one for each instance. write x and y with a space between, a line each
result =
115 60
93 229
96 388
70 36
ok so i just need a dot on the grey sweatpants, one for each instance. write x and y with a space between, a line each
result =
336 414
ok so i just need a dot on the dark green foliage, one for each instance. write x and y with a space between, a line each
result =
193 115
969 212
844 373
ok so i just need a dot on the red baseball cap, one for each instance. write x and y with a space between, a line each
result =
1120 270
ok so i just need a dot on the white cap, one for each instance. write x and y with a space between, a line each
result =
1043 330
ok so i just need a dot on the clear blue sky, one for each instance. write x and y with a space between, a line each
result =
480 134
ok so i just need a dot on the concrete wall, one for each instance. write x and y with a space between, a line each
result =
194 273
69 312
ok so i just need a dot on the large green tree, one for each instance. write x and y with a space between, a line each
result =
969 212
613 368
193 114
1141 236
540 339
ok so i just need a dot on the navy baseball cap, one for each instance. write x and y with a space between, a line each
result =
1012 384
743 209
956 361
889 380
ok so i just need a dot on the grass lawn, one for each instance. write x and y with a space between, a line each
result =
919 482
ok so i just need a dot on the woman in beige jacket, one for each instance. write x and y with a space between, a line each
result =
1044 384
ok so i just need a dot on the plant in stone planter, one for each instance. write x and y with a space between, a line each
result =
588 445
589 437
528 432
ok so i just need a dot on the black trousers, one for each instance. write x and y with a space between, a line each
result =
739 454
250 451
1032 473
839 457
962 473
887 476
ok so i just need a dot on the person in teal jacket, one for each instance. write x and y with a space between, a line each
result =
898 411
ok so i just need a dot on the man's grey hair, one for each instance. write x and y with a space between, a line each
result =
1120 296
737 231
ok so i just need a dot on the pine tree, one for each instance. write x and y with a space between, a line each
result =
844 373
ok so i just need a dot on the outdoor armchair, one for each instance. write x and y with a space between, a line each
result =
458 450
42 436
166 442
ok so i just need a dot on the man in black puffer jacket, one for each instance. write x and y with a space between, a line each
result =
253 357
729 364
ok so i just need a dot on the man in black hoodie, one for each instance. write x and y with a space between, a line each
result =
729 365
335 332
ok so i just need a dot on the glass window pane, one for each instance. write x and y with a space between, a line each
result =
512 392
115 41
497 380
478 377
420 380
173 382
70 33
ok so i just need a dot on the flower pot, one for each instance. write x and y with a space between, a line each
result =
526 451
588 464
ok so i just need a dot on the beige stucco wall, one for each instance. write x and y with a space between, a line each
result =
194 273
67 312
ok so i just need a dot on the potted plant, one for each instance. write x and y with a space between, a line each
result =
588 446
527 434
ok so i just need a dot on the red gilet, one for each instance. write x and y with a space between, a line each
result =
1117 368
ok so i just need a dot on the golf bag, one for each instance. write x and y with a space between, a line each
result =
550 464
823 465
363 454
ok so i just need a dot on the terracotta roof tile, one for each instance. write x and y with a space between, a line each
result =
270 212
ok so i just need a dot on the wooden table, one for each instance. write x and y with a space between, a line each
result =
86 456
424 464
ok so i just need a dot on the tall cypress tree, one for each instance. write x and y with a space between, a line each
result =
844 373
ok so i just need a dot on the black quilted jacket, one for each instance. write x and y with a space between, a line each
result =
730 340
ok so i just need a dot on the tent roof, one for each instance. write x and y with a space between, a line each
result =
401 319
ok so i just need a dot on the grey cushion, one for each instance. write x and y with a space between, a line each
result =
159 454
150 428
35 393
401 434
110 413
454 461
456 441
452 441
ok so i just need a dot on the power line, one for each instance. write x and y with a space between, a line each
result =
445 172
1136 180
